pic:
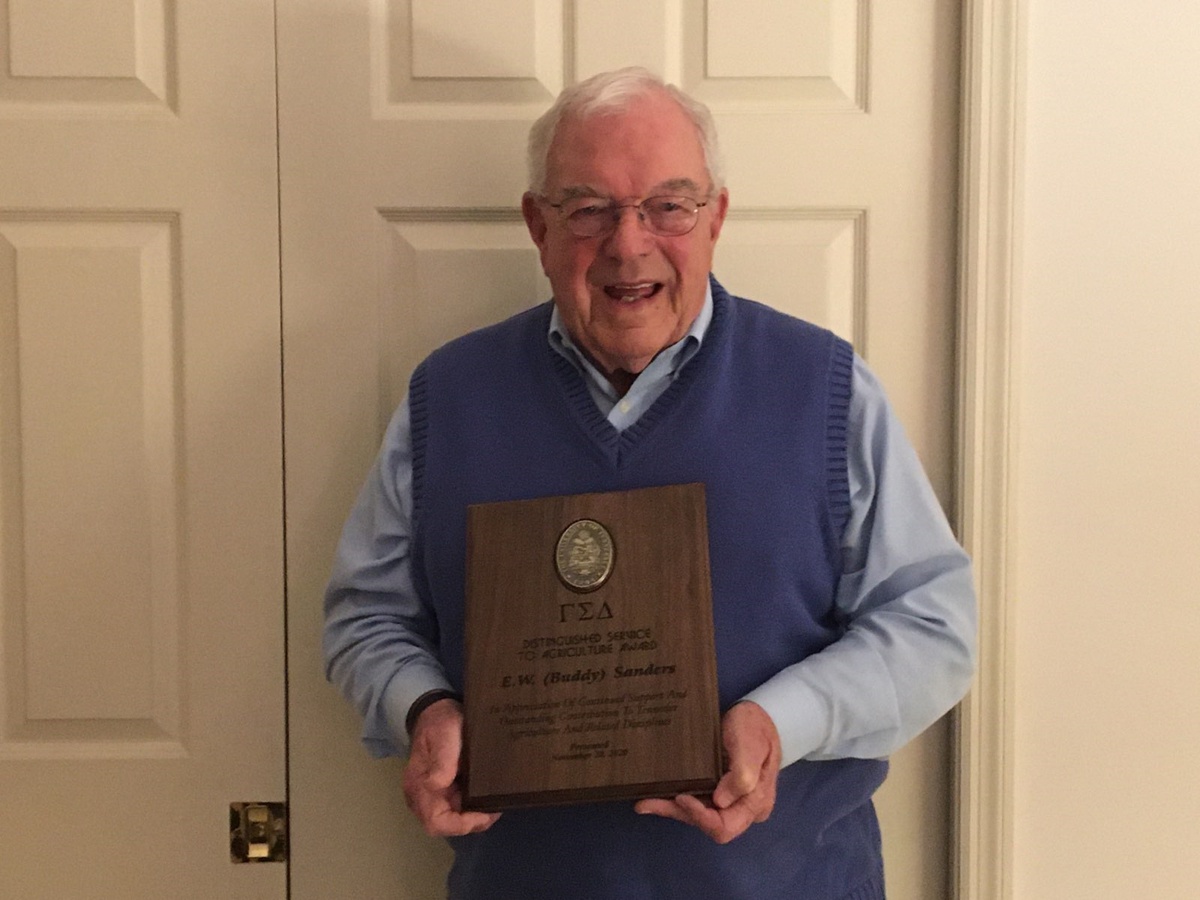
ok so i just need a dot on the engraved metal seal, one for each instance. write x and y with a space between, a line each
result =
584 555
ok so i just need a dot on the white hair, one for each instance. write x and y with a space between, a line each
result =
612 92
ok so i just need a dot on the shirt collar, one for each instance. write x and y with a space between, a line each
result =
678 353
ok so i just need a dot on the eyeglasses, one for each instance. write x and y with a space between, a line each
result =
589 217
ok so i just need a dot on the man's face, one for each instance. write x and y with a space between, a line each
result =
626 295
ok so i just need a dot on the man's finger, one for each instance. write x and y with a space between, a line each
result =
447 823
736 784
429 777
441 766
752 745
721 825
440 809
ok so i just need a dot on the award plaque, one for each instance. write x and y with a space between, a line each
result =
590 671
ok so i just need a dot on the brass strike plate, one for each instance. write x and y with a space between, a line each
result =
258 832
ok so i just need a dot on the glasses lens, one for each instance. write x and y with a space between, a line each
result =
670 215
588 218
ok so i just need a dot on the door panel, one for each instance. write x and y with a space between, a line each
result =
402 129
141 582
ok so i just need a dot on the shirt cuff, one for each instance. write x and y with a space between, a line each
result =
799 714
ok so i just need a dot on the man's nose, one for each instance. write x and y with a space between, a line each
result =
630 236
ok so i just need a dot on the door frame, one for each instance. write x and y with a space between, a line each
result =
990 161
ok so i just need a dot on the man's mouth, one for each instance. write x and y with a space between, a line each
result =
633 291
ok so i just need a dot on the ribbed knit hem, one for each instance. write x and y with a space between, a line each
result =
841 372
418 417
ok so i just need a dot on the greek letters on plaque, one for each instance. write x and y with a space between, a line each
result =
590 672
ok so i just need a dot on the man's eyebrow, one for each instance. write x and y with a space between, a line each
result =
677 184
670 186
575 191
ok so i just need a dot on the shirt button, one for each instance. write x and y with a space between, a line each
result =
624 406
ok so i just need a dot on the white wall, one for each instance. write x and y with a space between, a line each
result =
1107 555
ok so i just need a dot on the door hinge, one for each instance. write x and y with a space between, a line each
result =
258 832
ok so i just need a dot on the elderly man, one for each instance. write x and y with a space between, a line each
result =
843 606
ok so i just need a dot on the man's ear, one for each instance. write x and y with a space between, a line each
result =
535 218
720 207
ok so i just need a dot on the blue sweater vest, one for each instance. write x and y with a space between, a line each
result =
759 417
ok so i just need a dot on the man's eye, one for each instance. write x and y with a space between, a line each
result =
589 211
669 206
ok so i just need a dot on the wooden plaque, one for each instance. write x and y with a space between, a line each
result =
590 668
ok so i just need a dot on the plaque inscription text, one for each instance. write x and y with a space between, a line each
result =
596 683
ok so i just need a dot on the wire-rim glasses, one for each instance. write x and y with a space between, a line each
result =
667 216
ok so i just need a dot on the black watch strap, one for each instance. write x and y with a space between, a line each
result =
427 699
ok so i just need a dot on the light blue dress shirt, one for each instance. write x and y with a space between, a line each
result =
908 654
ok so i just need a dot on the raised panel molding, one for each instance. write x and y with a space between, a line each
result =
765 55
459 39
797 45
99 57
90 643
824 252
481 258
649 35
442 59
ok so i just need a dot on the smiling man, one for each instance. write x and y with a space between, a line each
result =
843 609
628 279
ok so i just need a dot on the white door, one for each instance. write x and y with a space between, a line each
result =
141 558
402 129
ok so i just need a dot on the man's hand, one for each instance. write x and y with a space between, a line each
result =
429 777
746 793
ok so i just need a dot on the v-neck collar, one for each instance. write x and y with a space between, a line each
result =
622 410
619 445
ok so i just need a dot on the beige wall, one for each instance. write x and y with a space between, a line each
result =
1107 552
